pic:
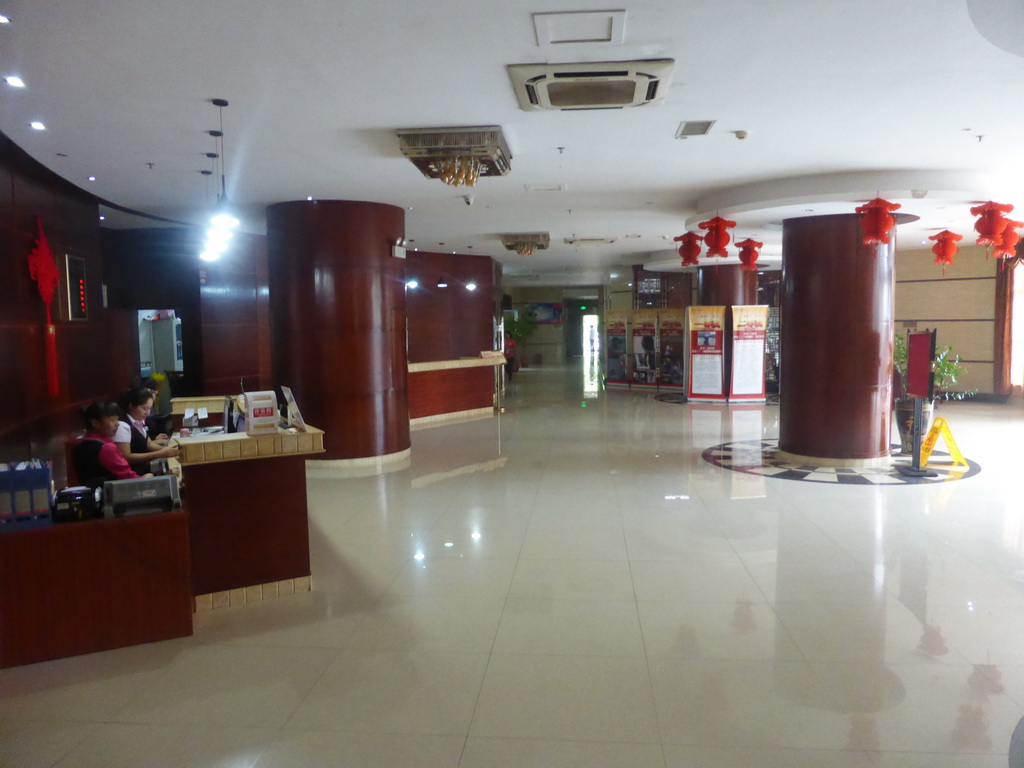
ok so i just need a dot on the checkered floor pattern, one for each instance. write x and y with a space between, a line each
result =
758 457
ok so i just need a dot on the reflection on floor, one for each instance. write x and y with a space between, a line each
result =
571 584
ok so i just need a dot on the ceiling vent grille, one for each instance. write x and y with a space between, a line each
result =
598 85
430 149
590 240
694 128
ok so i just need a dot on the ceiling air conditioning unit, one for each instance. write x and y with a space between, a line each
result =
597 85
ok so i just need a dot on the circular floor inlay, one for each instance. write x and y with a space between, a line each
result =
758 457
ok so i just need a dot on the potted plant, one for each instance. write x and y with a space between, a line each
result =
520 329
947 368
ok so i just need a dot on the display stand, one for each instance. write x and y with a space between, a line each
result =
746 379
920 385
618 359
672 348
707 354
645 346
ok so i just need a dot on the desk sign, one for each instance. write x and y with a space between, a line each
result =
261 413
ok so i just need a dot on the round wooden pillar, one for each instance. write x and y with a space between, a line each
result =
338 328
836 340
726 285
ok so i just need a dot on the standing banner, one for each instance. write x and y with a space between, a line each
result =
618 361
749 330
645 347
707 354
672 347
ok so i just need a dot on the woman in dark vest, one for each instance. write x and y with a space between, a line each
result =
132 437
96 458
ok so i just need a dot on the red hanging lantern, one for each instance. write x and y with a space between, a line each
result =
43 270
717 237
991 222
945 247
876 220
750 249
1006 248
689 247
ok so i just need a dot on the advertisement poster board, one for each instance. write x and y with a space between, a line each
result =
672 348
645 348
618 357
707 359
749 329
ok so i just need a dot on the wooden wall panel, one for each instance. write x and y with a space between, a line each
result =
92 361
449 391
453 322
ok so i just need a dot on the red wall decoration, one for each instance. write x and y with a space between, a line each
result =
44 271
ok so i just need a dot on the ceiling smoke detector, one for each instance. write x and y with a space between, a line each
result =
526 243
596 85
457 155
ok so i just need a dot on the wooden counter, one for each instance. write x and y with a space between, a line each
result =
246 503
452 387
77 588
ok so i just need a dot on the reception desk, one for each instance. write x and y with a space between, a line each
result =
93 586
449 389
246 502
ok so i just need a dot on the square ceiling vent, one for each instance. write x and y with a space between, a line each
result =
595 85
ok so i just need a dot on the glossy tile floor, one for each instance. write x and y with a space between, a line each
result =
569 584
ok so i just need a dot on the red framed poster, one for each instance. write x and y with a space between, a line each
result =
707 354
671 348
645 348
617 370
749 330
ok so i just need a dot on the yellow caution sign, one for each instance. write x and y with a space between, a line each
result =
941 428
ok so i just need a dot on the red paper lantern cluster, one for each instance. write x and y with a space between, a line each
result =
689 248
717 237
749 251
1008 239
945 247
876 220
991 221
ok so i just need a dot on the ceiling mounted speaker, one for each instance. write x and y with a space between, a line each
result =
597 85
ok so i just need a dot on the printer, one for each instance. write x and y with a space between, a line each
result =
140 496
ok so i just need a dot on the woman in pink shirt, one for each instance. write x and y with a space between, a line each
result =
97 459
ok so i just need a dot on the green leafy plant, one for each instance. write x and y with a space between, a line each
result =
946 365
520 328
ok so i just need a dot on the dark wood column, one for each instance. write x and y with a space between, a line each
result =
726 285
836 339
337 303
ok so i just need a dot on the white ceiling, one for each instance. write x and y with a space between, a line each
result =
832 94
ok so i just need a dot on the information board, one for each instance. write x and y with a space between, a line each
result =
749 328
707 347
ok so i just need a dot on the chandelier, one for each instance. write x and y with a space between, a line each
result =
458 171
457 156
526 243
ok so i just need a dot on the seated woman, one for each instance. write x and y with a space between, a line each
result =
96 458
132 437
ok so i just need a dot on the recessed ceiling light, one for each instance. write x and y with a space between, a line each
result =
92 178
14 81
309 197
4 19
103 218
38 125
